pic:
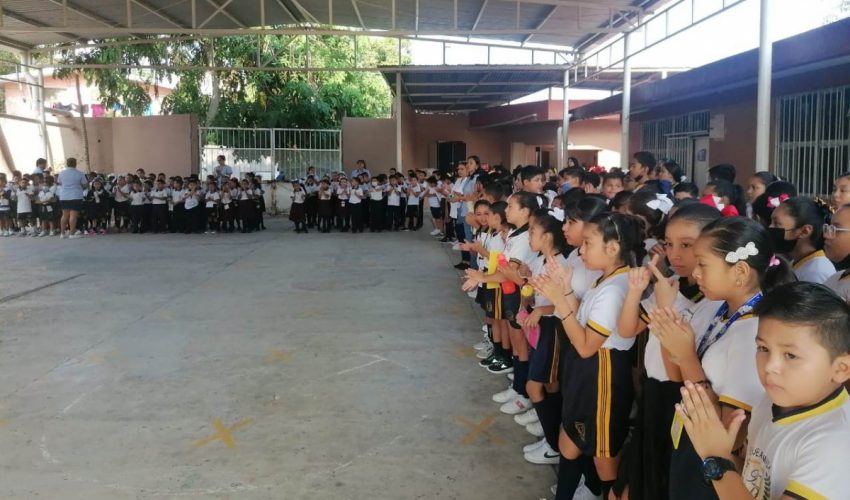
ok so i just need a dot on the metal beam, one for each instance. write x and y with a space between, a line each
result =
153 9
540 25
302 30
499 84
11 14
615 6
383 69
14 44
220 8
763 86
480 13
289 11
305 11
88 14
357 11
626 111
462 94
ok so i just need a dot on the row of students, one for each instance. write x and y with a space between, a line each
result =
682 310
136 205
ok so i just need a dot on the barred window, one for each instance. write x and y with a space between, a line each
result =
813 139
670 138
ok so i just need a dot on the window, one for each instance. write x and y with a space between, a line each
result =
813 139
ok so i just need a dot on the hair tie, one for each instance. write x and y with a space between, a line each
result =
557 213
775 201
661 202
774 261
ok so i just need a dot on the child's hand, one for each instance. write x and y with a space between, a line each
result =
562 274
638 279
707 433
475 274
532 320
666 289
469 285
548 287
675 334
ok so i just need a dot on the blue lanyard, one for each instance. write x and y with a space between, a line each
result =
708 340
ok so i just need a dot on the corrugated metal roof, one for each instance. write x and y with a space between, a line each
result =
447 89
565 23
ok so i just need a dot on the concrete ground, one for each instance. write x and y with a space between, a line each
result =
263 366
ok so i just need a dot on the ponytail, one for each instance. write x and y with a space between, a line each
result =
549 223
625 230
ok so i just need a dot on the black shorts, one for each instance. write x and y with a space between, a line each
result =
437 212
493 303
75 205
598 394
510 308
5 214
413 210
544 360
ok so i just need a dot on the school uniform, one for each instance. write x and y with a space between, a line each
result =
246 209
211 202
645 466
815 267
5 203
159 207
325 210
298 210
545 355
598 390
394 217
728 360
422 186
226 212
840 284
178 214
98 203
311 203
259 206
517 251
342 196
121 204
413 205
583 278
493 293
24 204
376 210
136 210
191 204
147 219
801 453
354 205
434 203
402 207
47 204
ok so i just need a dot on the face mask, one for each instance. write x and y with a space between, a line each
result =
843 264
565 187
780 244
667 186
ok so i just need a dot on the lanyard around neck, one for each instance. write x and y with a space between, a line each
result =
708 339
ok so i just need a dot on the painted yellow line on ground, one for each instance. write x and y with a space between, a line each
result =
277 355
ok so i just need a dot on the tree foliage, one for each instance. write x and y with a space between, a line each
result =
249 98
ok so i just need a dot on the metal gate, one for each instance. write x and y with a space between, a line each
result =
680 149
269 152
813 139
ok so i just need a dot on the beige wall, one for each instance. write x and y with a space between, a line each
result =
369 139
155 143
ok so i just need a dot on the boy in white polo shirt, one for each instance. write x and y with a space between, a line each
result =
799 436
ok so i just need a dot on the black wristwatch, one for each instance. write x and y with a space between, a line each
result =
713 468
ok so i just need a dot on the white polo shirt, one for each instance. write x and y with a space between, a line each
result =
538 267
815 268
517 248
600 309
583 278
800 454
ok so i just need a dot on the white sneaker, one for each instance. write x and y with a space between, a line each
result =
79 233
52 232
533 446
472 294
505 396
76 235
527 418
484 344
517 405
535 429
544 455
456 247
212 232
63 235
511 377
435 232
484 328
484 353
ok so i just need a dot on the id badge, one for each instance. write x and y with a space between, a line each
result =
227 206
49 208
676 430
342 204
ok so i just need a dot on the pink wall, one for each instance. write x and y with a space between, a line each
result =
369 139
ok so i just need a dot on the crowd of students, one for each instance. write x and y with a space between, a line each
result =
663 342
137 203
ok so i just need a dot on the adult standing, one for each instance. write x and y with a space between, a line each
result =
459 196
361 169
71 184
223 171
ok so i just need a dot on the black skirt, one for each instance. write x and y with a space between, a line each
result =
325 208
645 466
297 212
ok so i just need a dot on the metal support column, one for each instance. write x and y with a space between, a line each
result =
763 102
398 122
627 103
565 125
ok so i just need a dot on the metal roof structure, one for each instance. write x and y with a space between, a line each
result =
26 24
456 89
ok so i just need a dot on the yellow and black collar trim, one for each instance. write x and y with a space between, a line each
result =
518 231
690 291
831 402
620 270
813 255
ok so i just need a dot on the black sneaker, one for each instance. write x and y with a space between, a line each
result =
489 360
501 366
463 266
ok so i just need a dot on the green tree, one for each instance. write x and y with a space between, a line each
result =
249 98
